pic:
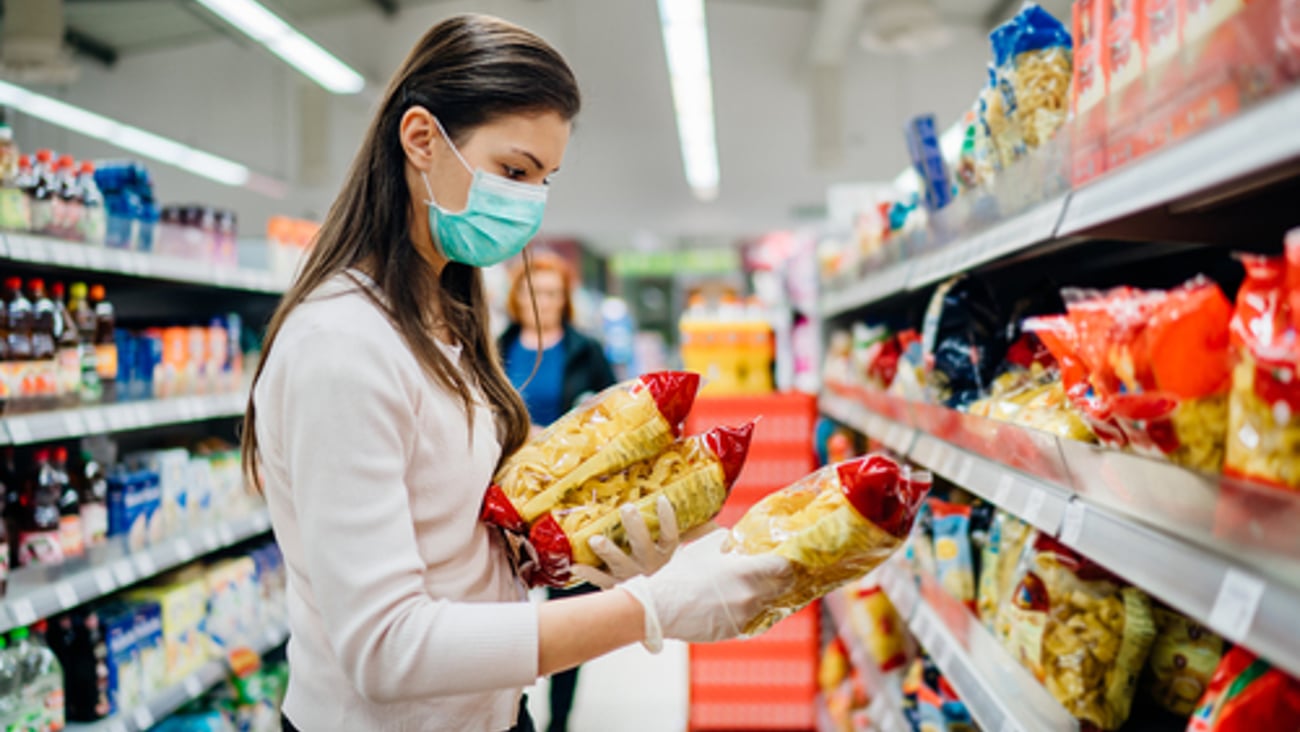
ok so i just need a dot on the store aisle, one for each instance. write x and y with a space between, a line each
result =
629 690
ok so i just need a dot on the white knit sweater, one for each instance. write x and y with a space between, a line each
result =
403 610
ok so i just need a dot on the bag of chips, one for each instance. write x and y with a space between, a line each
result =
695 474
1247 694
1183 659
1081 632
952 550
1264 407
834 525
626 423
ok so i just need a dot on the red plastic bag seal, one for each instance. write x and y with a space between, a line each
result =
731 446
499 511
884 493
554 553
674 394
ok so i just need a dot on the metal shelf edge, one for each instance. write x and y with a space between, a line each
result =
26 429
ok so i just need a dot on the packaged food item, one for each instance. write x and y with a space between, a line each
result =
1013 539
695 474
1089 84
1183 658
876 621
920 545
1247 694
927 159
989 116
1264 408
834 666
963 341
834 525
624 424
1033 56
952 550
1081 632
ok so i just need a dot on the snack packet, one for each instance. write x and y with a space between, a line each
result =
834 525
876 621
1081 632
1264 406
1183 658
627 422
1247 694
963 341
952 550
695 474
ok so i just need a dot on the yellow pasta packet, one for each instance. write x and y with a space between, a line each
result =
1183 659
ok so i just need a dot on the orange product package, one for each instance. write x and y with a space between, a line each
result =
1264 408
834 525
695 474
1246 694
626 423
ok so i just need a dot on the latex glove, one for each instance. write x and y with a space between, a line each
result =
647 556
705 595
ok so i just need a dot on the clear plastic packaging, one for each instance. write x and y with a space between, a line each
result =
1034 61
834 525
695 475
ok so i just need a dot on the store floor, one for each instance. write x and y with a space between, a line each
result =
629 690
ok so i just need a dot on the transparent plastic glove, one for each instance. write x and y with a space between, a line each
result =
647 556
705 595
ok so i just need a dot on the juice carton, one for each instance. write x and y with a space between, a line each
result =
149 644
173 469
135 507
124 672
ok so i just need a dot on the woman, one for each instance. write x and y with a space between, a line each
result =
379 414
571 366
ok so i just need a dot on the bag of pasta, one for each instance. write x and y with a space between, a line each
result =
834 525
627 422
695 474
1183 659
1034 62
1081 632
1264 408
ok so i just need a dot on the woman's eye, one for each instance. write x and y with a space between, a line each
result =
513 173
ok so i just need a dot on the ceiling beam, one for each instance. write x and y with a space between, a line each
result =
835 26
90 47
387 7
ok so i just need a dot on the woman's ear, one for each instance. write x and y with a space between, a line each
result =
419 134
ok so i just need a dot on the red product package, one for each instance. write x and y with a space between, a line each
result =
695 475
1246 694
1122 56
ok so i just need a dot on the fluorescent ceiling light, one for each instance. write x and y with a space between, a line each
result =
124 136
255 21
686 44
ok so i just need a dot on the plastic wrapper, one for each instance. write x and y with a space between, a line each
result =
626 423
1034 397
1247 694
963 341
695 474
834 525
952 550
1081 632
1013 537
1264 407
875 620
1183 658
1034 60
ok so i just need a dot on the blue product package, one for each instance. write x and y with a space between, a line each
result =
149 646
124 676
126 364
952 550
135 506
927 159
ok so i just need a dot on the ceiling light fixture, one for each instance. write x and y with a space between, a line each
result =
686 44
255 21
124 136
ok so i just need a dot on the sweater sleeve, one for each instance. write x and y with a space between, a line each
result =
348 428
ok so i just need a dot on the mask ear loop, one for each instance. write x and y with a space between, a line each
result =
537 319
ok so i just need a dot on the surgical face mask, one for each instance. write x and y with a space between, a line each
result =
501 216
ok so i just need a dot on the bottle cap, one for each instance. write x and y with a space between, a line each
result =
20 634
97 292
60 454
36 284
14 283
58 290
78 290
43 455
45 155
87 167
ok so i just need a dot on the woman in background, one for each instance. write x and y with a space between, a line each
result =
573 366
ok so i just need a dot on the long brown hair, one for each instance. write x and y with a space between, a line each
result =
467 70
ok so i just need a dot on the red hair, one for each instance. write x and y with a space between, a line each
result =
544 262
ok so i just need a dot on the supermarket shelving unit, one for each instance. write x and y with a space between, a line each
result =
885 688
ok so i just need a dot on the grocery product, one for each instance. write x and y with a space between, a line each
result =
927 160
72 533
875 620
181 600
135 506
82 649
833 525
1033 56
1081 632
1263 430
105 345
39 541
41 700
1008 537
1183 658
11 686
952 549
834 666
963 341
83 315
1247 694
622 425
695 474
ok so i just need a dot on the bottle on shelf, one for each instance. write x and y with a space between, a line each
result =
44 366
11 687
45 694
39 541
44 196
6 552
81 647
25 183
13 489
19 316
105 343
94 217
72 532
67 349
14 209
83 316
69 194
94 500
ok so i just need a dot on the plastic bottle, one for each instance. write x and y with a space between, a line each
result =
67 347
79 643
83 315
38 540
5 550
70 197
45 368
93 485
47 696
14 209
44 193
19 311
72 533
25 182
11 687
30 712
94 215
13 489
105 343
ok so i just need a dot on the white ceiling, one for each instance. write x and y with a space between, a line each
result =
622 178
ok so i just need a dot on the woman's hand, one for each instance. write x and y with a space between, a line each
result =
647 555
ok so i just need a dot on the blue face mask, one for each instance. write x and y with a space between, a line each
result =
501 216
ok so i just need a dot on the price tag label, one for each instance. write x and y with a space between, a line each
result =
104 581
1003 491
964 469
226 535
124 572
113 417
1072 524
19 431
143 416
1235 606
209 539
193 687
94 421
94 259
1009 725
184 551
73 425
18 247
143 718
145 564
23 612
1034 506
67 595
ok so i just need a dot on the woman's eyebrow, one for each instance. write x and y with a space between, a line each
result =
533 158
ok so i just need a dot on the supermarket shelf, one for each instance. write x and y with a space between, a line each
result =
886 692
40 592
46 251
168 701
1252 142
1224 552
872 287
999 692
25 429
